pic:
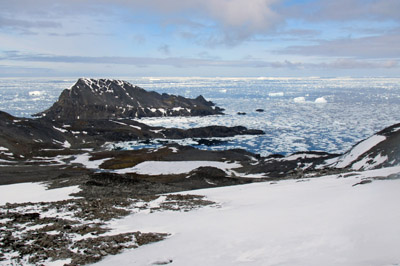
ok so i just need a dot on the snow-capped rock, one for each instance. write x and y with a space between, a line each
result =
380 150
107 98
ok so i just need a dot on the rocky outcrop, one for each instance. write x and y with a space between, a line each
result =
380 150
30 137
106 98
209 132
21 136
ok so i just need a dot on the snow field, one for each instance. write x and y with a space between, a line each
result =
175 167
84 159
34 192
324 221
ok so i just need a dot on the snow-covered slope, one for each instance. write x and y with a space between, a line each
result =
34 192
320 221
380 150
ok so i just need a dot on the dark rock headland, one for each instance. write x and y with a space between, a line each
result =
106 98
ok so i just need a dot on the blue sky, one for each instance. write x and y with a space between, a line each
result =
122 38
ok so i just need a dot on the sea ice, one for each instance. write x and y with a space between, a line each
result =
276 94
299 100
362 105
36 93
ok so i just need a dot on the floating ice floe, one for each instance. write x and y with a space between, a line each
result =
299 100
276 94
36 93
321 100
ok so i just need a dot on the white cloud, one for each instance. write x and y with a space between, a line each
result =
199 62
360 64
346 10
232 21
256 15
384 46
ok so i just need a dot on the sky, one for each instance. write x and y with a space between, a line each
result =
210 38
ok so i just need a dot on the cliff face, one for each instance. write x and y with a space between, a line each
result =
105 98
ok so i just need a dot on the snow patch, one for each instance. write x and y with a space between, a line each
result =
84 159
178 109
132 126
67 144
60 129
174 149
395 129
34 192
300 156
175 167
366 164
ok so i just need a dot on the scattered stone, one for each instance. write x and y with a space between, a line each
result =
162 262
210 142
51 233
363 182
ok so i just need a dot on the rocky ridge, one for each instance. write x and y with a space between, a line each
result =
106 98
380 150
26 138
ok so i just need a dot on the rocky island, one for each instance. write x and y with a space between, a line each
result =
90 99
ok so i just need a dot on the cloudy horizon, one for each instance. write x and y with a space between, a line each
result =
200 38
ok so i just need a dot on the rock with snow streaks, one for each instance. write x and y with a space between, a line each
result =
32 137
21 136
380 150
106 98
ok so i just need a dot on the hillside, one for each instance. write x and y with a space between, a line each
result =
380 150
